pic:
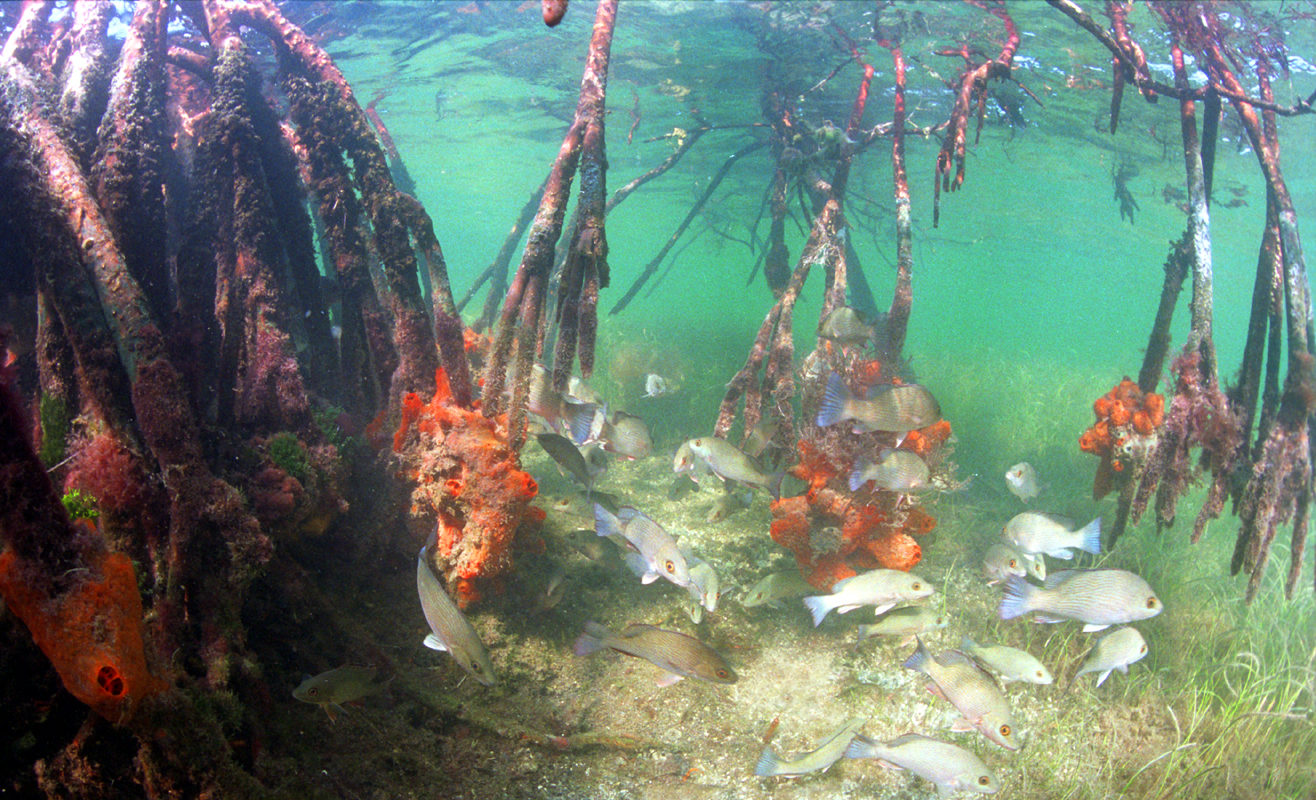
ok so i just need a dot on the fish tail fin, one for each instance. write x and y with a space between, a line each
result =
605 522
861 747
857 478
769 764
835 403
1091 537
919 660
591 641
967 644
819 606
1017 594
582 422
774 484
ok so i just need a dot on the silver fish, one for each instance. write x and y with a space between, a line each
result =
627 435
451 631
1034 532
728 503
331 689
1021 480
951 768
1011 663
578 389
907 622
662 558
825 755
682 656
894 470
846 327
568 457
761 436
1116 650
705 586
896 408
778 586
654 385
974 694
730 463
1098 598
1001 562
882 588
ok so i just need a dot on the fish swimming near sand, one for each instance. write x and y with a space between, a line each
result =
894 470
898 408
681 655
881 588
774 588
949 767
731 463
1098 598
705 586
330 690
1034 532
906 622
1011 663
1021 480
626 435
1114 651
655 385
826 754
729 503
563 451
450 630
965 685
660 554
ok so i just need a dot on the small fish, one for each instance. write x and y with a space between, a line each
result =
705 587
895 408
626 435
729 503
1001 562
662 558
681 655
562 414
654 385
846 327
730 463
553 591
682 485
568 457
908 622
951 768
1011 663
1034 532
883 588
1115 650
894 470
1021 480
963 684
331 689
761 436
599 549
451 631
778 586
596 459
1098 598
687 464
578 389
817 760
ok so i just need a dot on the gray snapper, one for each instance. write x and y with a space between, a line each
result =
1021 480
563 451
329 690
1011 663
950 767
1114 651
882 588
1034 532
906 622
826 754
965 685
730 463
772 589
681 655
894 470
846 327
626 435
451 631
660 554
1098 598
898 408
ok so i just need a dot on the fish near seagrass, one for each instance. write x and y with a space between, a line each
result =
655 385
778 586
950 767
626 435
1011 663
660 554
826 754
896 408
1021 480
1002 561
1098 598
681 655
563 451
846 327
450 630
1114 651
730 463
964 684
906 622
882 588
330 690
705 587
728 503
1034 532
894 470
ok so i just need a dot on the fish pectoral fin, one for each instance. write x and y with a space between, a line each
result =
882 609
1092 627
1123 668
962 725
435 643
935 689
333 710
648 577
1102 677
668 679
845 609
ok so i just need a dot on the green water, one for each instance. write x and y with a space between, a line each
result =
1031 299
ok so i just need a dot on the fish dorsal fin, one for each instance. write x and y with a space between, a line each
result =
635 629
1056 578
627 513
905 739
1059 519
953 657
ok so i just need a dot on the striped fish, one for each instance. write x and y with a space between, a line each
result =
951 768
817 760
972 691
1116 650
1098 598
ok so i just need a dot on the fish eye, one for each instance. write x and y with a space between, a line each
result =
1006 731
917 586
312 692
1142 649
475 667
671 567
1151 601
983 780
1013 563
1039 673
722 673
941 620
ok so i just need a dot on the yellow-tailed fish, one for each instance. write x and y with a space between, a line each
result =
828 753
1011 663
907 622
330 690
881 588
1116 650
972 691
1098 598
450 630
681 655
949 767
1034 532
